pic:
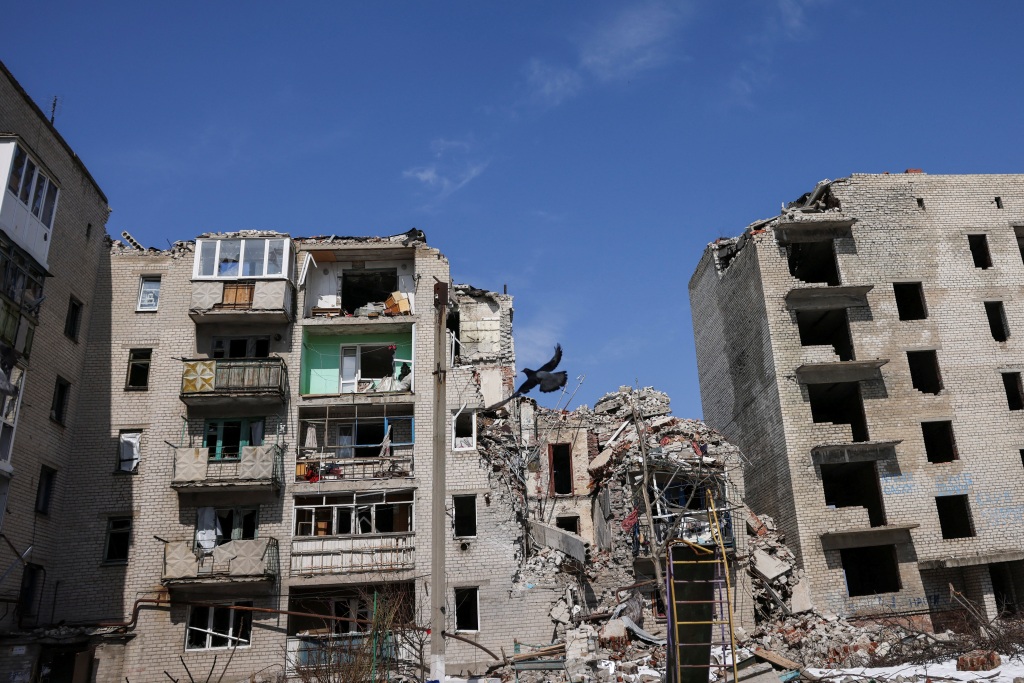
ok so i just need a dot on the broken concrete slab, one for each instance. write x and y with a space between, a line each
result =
800 598
768 566
569 543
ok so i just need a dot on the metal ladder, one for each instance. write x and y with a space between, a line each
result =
700 610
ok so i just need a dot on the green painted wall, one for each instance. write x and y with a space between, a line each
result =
321 357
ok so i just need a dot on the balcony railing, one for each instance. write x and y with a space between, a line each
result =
321 652
327 464
249 300
256 467
205 378
250 560
338 555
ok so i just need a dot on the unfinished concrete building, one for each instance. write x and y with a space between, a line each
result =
864 349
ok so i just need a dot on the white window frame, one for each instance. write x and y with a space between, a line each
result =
330 501
143 279
37 174
350 386
454 420
456 610
210 633
285 256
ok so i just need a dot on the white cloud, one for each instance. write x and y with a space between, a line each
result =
634 40
552 85
444 183
439 146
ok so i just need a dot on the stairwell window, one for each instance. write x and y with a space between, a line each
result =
138 369
73 320
118 541
59 405
212 627
149 293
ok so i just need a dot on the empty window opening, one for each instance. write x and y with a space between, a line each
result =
910 300
118 540
570 523
1014 390
1021 456
839 403
854 484
561 469
464 434
241 347
361 287
1018 232
44 492
814 262
939 443
138 368
467 609
979 251
59 404
452 323
73 320
826 328
1004 588
954 516
924 371
464 515
685 495
32 578
997 323
999 202
920 202
870 570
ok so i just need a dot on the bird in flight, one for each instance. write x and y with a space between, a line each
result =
544 376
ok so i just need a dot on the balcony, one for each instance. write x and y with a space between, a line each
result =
341 555
222 381
257 468
253 562
241 301
334 364
316 652
313 465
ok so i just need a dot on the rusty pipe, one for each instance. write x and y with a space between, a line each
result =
467 640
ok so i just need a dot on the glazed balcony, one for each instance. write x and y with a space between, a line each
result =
257 468
242 301
222 381
319 464
251 561
320 555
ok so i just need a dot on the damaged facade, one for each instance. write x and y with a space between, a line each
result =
863 349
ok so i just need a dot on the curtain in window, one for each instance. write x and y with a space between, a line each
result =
256 433
130 443
206 529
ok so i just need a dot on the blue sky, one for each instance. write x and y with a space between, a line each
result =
581 153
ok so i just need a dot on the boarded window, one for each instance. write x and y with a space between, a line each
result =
237 295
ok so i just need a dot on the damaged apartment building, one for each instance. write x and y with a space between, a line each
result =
864 348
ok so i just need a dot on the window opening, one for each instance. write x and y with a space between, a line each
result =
939 443
1004 588
839 403
684 495
149 293
814 262
31 579
570 523
366 367
73 320
59 405
826 328
129 451
225 438
464 515
854 484
954 516
870 570
119 539
27 181
464 434
9 407
347 514
241 347
561 468
997 323
924 371
910 302
138 368
467 616
1018 232
1014 390
217 526
362 287
999 202
44 492
211 626
979 251
920 202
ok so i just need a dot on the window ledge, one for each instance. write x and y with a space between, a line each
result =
114 563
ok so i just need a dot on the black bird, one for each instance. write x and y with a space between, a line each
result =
548 381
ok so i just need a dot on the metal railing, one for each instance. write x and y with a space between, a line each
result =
328 464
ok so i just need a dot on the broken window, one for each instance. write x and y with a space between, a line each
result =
954 516
138 369
467 609
839 403
44 492
351 513
910 300
997 323
362 287
939 444
464 515
368 367
217 526
218 626
226 438
73 320
979 251
854 484
686 495
464 431
814 262
1014 390
570 523
59 404
129 446
826 328
118 539
560 462
149 293
870 570
924 371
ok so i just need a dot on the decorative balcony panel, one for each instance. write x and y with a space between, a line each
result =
241 301
250 561
220 380
256 468
341 555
